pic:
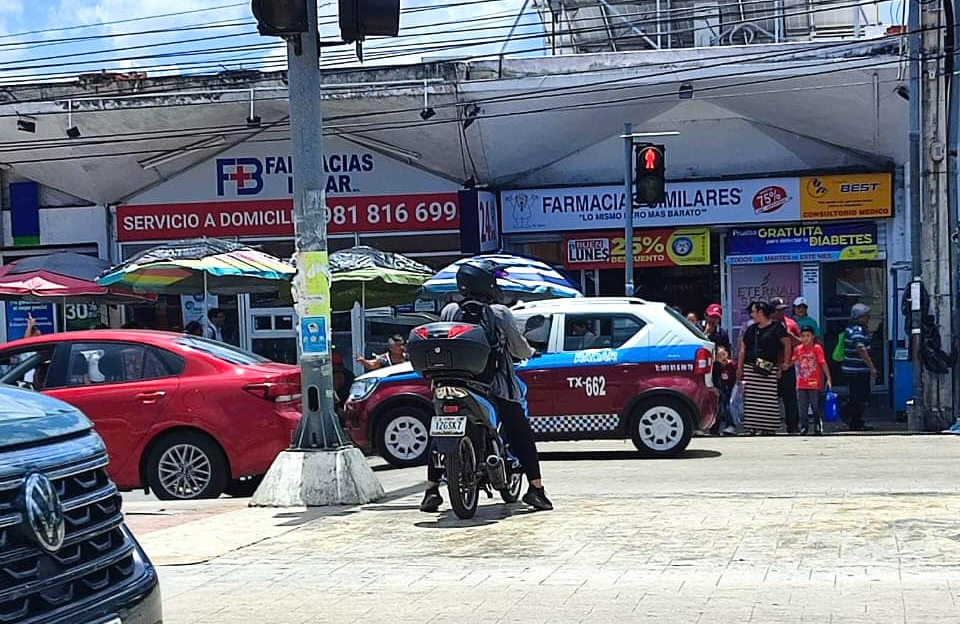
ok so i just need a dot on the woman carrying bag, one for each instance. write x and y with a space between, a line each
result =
765 350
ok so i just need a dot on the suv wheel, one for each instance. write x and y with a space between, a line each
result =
661 427
186 465
403 437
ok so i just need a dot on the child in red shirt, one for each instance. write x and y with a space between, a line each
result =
811 369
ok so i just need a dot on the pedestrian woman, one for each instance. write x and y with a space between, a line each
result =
764 348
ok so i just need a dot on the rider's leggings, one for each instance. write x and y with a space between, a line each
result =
517 432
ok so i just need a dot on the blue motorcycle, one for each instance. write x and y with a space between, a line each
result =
465 429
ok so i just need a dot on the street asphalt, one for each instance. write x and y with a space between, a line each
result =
769 530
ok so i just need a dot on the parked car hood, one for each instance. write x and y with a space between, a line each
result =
27 417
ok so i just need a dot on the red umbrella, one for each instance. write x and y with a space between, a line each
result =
40 285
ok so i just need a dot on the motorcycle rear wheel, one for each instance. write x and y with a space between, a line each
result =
462 479
511 493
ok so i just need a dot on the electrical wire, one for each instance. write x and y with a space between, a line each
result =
459 42
340 129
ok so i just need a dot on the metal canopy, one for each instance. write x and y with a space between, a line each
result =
545 121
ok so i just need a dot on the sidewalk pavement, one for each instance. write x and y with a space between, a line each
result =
772 530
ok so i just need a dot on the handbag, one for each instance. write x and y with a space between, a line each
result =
761 366
840 350
831 407
736 406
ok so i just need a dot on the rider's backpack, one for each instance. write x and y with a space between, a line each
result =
479 313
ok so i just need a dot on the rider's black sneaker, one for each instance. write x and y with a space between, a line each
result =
431 500
537 498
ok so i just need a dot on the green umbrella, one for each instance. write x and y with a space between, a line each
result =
374 278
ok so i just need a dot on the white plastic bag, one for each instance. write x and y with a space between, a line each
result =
736 405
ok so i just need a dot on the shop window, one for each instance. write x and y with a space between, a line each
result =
586 331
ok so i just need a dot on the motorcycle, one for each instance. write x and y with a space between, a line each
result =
465 427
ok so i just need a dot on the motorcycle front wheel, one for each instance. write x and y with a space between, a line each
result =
462 479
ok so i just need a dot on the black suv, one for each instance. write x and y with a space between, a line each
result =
65 554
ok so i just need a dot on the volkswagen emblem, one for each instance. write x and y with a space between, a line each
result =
44 513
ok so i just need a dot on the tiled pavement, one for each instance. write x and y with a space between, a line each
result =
772 530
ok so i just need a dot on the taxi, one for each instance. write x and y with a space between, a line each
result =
606 368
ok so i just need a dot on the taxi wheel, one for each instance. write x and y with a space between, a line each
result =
661 427
403 436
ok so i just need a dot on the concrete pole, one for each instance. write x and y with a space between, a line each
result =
628 207
936 244
319 469
916 222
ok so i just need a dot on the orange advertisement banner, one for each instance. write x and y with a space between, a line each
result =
853 196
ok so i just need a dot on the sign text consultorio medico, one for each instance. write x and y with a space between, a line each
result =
703 203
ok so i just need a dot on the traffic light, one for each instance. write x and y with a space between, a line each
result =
281 18
649 174
369 18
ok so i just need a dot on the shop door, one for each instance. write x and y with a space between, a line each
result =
271 328
844 284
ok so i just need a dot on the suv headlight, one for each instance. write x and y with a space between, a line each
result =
363 388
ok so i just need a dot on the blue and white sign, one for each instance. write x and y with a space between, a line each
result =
17 313
804 243
313 335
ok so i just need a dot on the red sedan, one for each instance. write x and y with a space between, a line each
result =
183 416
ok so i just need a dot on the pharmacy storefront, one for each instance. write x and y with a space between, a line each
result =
245 194
731 241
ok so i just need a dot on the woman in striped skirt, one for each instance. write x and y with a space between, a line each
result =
765 344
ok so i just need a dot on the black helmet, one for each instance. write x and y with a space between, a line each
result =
478 279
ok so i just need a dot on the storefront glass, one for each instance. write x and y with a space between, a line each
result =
844 284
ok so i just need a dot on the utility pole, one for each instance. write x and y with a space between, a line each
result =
320 468
930 189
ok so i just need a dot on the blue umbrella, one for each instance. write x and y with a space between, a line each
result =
524 277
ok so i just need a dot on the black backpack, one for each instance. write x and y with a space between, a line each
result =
480 313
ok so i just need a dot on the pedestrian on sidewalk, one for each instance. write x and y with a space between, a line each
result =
761 347
711 327
857 366
811 370
788 377
724 380
801 315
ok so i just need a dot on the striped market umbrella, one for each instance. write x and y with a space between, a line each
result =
525 278
374 278
204 265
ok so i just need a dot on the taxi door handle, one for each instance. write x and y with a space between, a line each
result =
151 397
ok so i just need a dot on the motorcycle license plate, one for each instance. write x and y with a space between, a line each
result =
448 426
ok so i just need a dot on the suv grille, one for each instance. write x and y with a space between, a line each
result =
96 553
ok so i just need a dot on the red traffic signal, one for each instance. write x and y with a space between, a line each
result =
650 174
651 158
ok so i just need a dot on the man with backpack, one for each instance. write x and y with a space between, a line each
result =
477 283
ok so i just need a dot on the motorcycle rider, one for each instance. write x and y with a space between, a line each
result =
477 281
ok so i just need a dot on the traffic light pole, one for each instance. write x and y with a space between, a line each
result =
320 468
628 206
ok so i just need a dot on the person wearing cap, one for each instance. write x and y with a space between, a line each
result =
711 327
857 366
788 377
800 314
